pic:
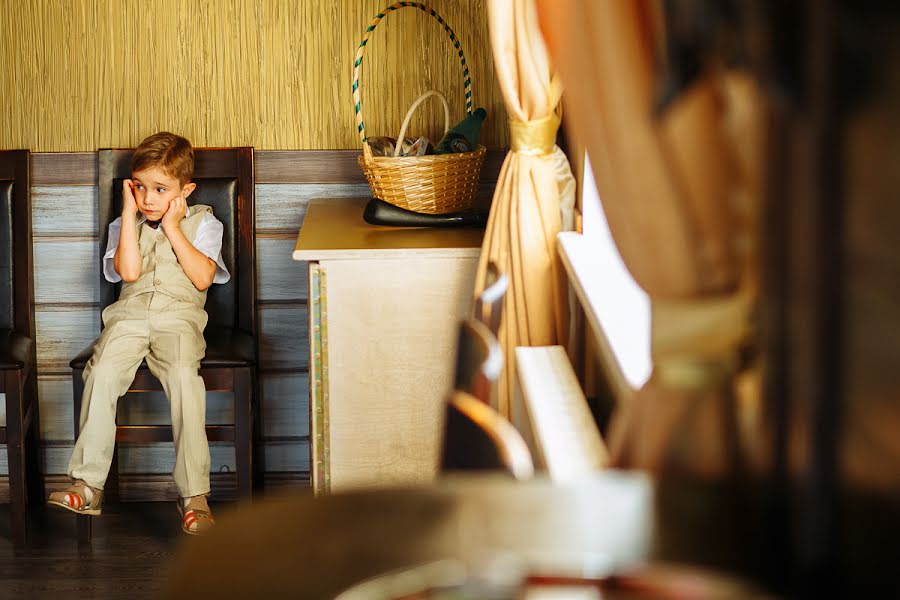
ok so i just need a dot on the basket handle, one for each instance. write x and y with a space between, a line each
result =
399 145
357 101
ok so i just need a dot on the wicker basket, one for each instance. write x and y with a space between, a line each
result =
435 184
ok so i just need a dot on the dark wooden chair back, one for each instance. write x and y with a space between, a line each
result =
16 281
478 438
479 360
18 357
224 178
489 303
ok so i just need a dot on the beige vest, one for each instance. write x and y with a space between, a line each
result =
160 271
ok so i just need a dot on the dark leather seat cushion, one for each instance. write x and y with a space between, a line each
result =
15 350
225 348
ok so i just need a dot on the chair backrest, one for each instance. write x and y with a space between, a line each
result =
478 438
16 266
225 181
479 360
489 303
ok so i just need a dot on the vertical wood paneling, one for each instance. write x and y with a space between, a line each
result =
283 339
66 270
64 210
285 404
279 277
62 334
57 408
281 207
273 74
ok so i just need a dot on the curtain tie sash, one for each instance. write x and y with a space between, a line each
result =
697 344
534 138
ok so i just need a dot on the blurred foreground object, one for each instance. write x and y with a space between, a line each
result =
680 184
298 545
703 119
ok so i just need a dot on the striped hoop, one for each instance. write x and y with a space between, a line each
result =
357 102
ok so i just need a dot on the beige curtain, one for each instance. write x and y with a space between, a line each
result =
680 192
535 195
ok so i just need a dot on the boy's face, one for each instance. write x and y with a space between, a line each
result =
153 189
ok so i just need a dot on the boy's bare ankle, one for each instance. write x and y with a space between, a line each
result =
196 502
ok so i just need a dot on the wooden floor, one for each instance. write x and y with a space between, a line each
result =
132 544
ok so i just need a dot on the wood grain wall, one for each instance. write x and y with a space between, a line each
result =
78 75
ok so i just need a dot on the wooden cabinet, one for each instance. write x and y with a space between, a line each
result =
385 304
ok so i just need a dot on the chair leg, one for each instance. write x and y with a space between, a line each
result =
15 446
34 452
258 457
83 522
243 432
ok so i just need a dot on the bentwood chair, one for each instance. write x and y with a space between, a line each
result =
476 436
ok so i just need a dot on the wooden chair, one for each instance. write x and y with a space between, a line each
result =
476 436
479 360
18 359
225 181
489 303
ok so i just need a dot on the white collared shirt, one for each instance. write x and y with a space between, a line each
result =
208 241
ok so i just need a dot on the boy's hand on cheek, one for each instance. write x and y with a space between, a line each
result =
129 204
174 214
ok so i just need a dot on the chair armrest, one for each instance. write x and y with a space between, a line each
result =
83 357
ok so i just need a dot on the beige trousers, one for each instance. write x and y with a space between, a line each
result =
169 334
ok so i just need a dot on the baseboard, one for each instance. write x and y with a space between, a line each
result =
160 487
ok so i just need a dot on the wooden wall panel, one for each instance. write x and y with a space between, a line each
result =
285 404
283 340
66 270
64 210
57 412
278 276
62 333
281 207
273 74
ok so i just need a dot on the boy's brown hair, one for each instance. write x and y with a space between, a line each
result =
171 153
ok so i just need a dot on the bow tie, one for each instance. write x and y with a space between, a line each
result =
153 224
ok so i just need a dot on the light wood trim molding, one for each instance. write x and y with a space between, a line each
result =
612 369
320 463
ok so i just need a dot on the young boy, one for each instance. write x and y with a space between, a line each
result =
167 254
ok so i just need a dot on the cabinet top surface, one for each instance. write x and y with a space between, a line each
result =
335 229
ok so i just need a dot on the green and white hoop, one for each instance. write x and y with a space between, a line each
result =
357 102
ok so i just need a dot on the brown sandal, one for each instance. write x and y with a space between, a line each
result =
73 499
195 521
